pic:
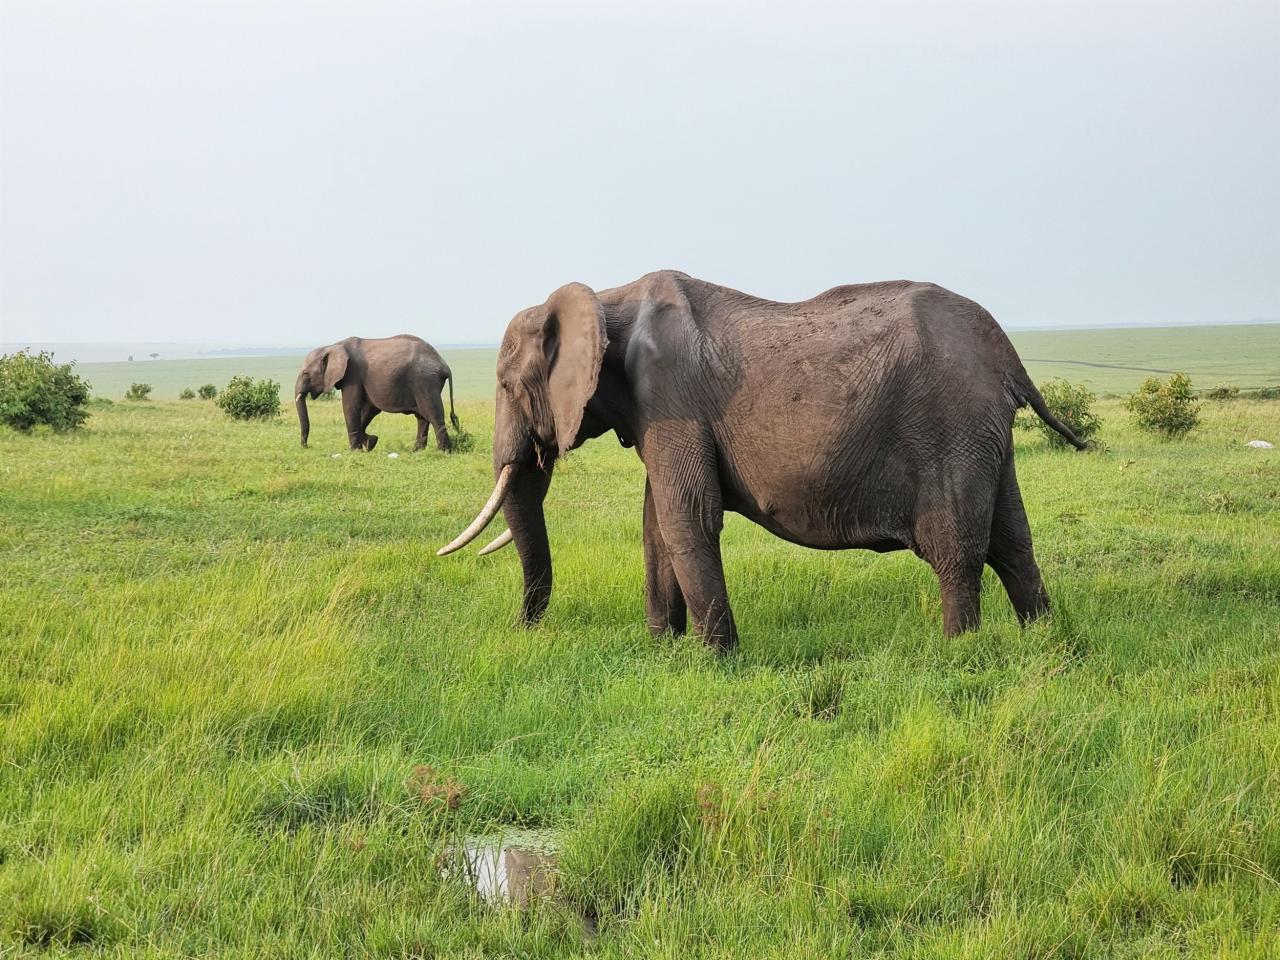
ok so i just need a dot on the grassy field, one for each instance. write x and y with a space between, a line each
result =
472 373
1109 361
222 658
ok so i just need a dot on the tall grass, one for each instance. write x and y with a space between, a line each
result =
224 656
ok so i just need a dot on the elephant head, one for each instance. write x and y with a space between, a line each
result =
322 370
548 368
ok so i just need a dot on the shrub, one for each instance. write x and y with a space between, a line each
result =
137 391
34 390
1073 405
187 394
463 442
208 391
1167 407
1266 393
247 399
1224 391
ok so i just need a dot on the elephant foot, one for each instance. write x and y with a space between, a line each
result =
370 442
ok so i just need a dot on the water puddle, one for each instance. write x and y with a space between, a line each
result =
514 867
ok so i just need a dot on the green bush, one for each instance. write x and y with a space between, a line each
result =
1266 393
1224 391
247 399
187 394
137 391
208 391
463 442
34 390
1167 407
1073 405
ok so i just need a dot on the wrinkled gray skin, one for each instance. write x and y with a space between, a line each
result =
401 374
875 416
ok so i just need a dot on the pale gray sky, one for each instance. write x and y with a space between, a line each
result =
272 171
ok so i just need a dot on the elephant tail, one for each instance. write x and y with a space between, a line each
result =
1028 393
453 417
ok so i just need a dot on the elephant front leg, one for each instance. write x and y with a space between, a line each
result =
690 512
367 440
664 605
358 413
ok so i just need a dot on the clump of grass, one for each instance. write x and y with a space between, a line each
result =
819 694
434 789
462 440
1222 501
332 797
1224 391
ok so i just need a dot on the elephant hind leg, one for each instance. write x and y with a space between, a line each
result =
431 411
1010 553
960 580
665 609
953 540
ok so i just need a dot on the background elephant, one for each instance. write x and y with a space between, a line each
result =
401 374
875 416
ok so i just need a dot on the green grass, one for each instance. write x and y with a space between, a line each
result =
1116 361
472 373
222 657
1108 361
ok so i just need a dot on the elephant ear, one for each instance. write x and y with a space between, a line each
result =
574 340
335 366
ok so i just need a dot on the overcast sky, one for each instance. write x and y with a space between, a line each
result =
267 171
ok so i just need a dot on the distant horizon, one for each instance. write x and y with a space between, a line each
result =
202 349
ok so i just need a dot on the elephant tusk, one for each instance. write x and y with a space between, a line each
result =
489 511
501 541
297 398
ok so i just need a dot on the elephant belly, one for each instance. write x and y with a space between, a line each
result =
861 511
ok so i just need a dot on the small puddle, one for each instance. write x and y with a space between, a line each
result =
514 867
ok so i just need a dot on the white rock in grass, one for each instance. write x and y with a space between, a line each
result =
335 456
393 456
1260 445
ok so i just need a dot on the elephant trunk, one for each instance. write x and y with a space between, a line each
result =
523 512
304 421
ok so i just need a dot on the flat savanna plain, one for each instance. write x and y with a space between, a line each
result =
224 660
1106 360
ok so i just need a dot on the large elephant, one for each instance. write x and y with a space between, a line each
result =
401 374
875 416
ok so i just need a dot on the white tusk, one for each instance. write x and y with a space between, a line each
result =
489 511
297 398
502 540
